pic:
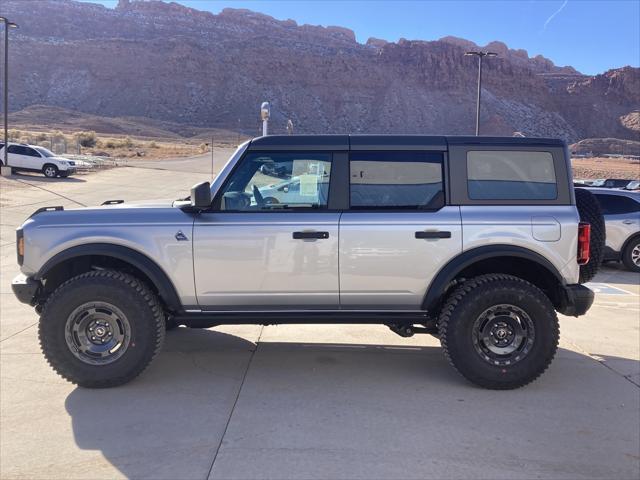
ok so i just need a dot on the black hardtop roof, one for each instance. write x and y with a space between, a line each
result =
389 142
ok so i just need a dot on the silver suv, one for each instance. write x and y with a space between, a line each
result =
475 240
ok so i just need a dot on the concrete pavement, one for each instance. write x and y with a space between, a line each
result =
309 401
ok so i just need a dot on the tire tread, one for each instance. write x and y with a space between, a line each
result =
447 316
54 354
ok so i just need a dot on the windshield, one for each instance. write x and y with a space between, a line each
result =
45 152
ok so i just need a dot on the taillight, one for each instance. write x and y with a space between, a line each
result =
20 245
584 243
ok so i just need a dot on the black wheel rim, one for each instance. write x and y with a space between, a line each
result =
97 333
503 334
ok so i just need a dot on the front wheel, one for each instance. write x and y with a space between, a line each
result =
101 329
499 331
50 171
631 255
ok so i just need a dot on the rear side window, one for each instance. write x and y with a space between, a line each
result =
17 149
396 179
617 204
510 175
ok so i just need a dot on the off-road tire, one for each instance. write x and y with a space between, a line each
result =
467 302
627 258
127 293
590 212
50 171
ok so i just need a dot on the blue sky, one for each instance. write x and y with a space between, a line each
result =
590 35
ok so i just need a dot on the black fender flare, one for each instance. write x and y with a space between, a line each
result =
445 276
158 277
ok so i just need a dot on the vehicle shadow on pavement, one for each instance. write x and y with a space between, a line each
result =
293 410
42 179
616 273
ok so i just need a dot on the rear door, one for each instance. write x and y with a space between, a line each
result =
264 246
16 156
398 232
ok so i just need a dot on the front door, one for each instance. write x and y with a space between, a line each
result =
269 240
398 233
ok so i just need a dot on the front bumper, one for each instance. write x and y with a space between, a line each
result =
576 300
25 289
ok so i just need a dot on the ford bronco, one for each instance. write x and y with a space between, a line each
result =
476 240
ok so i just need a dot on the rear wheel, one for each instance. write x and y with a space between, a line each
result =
499 331
631 255
50 171
101 329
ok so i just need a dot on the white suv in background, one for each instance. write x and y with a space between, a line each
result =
32 158
621 210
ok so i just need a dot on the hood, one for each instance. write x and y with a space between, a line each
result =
156 203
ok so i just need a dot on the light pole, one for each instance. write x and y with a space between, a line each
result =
7 25
480 56
265 112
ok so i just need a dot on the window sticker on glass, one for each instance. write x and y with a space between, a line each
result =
309 185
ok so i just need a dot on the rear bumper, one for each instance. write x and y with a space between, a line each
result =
577 300
25 289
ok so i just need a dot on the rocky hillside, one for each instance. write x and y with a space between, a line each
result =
172 63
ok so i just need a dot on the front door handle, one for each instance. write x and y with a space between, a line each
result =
433 234
309 235
628 222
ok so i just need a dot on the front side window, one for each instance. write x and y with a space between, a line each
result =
31 152
617 204
510 175
396 179
277 181
45 152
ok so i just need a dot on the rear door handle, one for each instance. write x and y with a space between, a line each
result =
433 234
308 235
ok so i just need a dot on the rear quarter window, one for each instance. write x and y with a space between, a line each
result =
510 175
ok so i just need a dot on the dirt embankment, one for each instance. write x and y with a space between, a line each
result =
603 167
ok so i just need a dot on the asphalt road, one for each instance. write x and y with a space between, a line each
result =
309 401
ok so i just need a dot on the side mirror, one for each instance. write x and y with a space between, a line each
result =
201 195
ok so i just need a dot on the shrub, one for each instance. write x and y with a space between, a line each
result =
153 145
14 135
86 139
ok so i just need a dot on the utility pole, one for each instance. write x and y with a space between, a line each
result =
7 25
480 56
212 158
